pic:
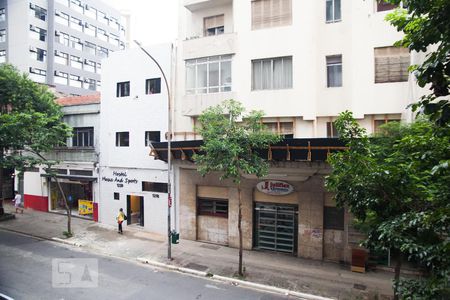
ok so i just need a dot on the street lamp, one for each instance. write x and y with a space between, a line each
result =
169 159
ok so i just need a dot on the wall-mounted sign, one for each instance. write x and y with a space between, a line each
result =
273 187
120 178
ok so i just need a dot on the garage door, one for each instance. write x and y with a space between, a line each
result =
275 227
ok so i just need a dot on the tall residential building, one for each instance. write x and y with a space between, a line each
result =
60 42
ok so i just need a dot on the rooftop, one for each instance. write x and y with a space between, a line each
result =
79 100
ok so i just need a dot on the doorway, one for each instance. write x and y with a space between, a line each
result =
135 210
275 227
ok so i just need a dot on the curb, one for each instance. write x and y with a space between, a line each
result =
233 281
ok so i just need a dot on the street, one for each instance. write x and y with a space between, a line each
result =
26 273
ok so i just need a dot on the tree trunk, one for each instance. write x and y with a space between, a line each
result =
2 210
66 205
398 266
240 271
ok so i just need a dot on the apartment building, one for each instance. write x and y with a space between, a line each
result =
134 116
302 63
60 42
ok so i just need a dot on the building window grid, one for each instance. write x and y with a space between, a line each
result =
83 137
334 70
90 48
89 84
61 78
2 14
38 33
267 76
76 24
122 139
38 54
38 75
76 43
333 11
2 35
61 58
38 12
76 62
62 18
77 6
89 65
2 56
194 80
271 13
75 81
90 12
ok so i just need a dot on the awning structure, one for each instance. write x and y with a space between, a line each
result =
72 177
287 150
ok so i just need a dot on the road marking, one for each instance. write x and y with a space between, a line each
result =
210 286
3 296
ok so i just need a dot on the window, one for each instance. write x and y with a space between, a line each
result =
285 129
89 65
208 75
102 18
98 86
2 56
38 33
383 6
102 35
378 123
80 172
391 64
76 43
38 54
63 2
98 69
62 38
76 5
158 187
152 137
75 81
213 25
116 196
334 71
38 75
122 139
76 62
61 18
102 52
38 12
333 218
114 39
83 137
212 207
333 10
89 48
121 45
90 12
153 86
123 89
89 84
90 29
2 14
331 130
61 58
76 24
2 35
61 77
271 13
272 73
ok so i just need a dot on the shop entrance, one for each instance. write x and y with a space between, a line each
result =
78 195
135 210
276 227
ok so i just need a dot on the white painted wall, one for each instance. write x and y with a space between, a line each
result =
34 184
308 40
136 114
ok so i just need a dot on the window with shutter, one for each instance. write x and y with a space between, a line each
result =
271 13
391 64
214 25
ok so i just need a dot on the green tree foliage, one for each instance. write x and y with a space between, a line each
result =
397 185
230 144
30 121
427 28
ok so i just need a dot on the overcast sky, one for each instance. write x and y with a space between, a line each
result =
152 21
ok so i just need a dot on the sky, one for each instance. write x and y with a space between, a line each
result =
152 21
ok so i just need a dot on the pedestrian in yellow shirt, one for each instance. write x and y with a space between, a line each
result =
120 218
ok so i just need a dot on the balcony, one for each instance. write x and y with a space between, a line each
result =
73 154
209 46
194 105
195 5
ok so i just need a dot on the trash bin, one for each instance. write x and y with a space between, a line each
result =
175 237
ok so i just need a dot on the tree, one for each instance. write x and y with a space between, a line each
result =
396 185
30 123
230 147
426 28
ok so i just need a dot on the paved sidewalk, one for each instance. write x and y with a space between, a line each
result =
268 268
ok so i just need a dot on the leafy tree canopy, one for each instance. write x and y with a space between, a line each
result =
427 28
397 185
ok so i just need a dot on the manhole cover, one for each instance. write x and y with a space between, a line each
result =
196 267
211 247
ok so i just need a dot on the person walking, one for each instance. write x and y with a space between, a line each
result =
120 218
18 202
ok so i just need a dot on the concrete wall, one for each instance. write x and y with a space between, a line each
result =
309 195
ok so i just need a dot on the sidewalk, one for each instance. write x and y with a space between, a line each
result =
268 268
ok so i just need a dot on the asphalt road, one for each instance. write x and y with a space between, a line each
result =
26 273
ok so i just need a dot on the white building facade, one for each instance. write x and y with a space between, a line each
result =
134 115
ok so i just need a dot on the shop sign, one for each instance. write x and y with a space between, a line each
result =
85 207
120 178
273 187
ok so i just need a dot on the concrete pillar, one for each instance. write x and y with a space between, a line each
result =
310 227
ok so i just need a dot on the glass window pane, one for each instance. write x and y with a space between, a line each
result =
213 74
202 75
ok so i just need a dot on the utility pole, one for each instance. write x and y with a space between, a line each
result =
169 154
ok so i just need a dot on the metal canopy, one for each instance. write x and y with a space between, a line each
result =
287 150
72 177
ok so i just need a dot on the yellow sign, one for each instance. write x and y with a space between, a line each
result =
85 207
